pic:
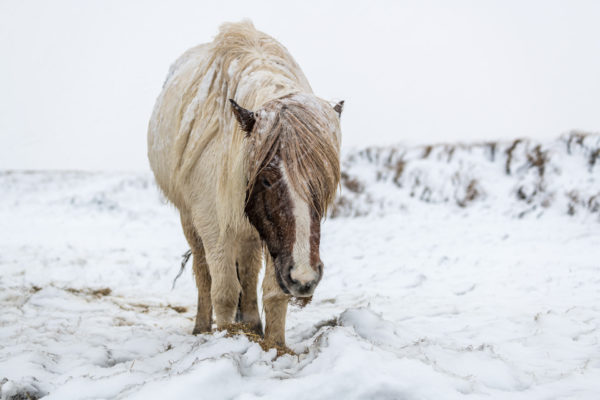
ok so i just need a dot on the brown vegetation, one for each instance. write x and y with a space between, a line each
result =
90 292
509 154
400 164
472 192
427 151
352 184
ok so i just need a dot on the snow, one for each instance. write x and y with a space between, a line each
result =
421 298
515 177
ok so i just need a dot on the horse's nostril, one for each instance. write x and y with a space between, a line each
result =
304 279
306 288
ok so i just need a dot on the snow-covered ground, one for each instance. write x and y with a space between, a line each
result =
438 294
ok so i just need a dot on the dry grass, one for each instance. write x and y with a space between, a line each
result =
399 170
592 204
427 151
301 301
352 184
538 159
91 292
22 395
267 345
574 200
337 208
344 206
492 146
509 155
178 309
245 329
103 292
449 149
594 155
471 193
579 138
575 137
333 322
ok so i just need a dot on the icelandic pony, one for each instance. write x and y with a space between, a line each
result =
246 182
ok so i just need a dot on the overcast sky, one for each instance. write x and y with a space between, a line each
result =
78 79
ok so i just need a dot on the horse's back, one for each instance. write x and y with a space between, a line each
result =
170 111
192 134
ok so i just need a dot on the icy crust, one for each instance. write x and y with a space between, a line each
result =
517 177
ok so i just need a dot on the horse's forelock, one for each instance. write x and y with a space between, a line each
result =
299 131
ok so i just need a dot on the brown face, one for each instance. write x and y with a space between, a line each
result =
290 228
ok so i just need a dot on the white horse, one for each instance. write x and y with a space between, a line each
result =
246 182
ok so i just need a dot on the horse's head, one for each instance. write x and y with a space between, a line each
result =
293 175
289 227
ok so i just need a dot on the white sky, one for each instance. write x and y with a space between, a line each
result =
78 79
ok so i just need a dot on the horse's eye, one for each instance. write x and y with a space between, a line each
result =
266 183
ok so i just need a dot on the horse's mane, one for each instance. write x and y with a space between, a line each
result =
258 73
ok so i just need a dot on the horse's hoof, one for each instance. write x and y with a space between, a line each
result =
257 329
281 348
201 330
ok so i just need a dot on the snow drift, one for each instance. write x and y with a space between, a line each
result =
518 177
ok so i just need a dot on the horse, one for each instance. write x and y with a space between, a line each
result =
249 156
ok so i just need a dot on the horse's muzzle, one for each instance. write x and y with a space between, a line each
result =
299 281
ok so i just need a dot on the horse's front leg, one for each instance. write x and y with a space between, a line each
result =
248 266
204 310
275 303
225 288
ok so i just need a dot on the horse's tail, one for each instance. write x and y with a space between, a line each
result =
184 259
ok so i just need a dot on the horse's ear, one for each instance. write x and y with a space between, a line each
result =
243 116
339 107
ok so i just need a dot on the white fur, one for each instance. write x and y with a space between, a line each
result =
203 161
302 271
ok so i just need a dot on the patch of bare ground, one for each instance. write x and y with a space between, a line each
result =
98 293
127 306
177 309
